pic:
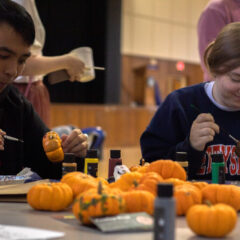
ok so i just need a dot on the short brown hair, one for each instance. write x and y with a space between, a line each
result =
223 55
18 18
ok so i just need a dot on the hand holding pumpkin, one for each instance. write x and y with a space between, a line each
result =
54 146
75 143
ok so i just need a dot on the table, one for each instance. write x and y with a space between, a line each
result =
22 214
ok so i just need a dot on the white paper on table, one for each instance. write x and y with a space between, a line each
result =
184 233
24 233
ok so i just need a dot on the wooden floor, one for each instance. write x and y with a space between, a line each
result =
123 126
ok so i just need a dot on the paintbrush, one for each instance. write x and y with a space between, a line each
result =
95 67
13 138
237 149
221 128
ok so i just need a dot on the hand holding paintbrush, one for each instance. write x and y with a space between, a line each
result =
4 136
202 131
237 150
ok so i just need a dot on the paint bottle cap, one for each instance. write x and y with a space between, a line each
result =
181 156
115 153
165 190
69 158
217 158
92 153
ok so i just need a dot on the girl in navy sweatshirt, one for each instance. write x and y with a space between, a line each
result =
179 127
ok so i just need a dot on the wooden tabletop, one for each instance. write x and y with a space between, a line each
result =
21 214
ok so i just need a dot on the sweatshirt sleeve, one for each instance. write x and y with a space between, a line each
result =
168 133
34 155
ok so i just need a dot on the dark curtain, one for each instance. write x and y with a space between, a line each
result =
70 24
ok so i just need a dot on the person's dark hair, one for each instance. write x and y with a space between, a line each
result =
223 55
17 17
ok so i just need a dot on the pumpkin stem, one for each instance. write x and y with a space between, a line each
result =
207 202
100 188
135 183
142 162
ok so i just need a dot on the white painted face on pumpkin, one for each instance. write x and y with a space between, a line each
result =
119 170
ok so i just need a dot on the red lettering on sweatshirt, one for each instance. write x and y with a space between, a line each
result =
209 152
233 165
227 152
232 161
202 169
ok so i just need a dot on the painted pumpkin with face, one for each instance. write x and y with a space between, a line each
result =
52 146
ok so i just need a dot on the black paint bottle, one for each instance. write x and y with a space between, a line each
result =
164 213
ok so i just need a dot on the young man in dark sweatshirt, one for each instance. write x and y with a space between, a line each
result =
17 116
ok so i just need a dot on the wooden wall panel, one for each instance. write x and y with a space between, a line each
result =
122 124
166 70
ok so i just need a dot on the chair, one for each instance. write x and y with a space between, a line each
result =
157 94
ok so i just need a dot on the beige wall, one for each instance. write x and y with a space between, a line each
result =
161 28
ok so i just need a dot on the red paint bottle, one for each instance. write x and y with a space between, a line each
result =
115 159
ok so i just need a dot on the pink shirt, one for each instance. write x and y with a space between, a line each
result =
215 16
38 44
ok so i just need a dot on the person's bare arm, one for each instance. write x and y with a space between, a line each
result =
42 65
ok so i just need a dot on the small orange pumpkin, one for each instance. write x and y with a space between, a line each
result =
134 168
221 193
97 202
167 169
211 220
186 196
50 196
139 201
127 181
143 169
103 180
149 181
175 181
52 146
200 185
139 168
79 182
